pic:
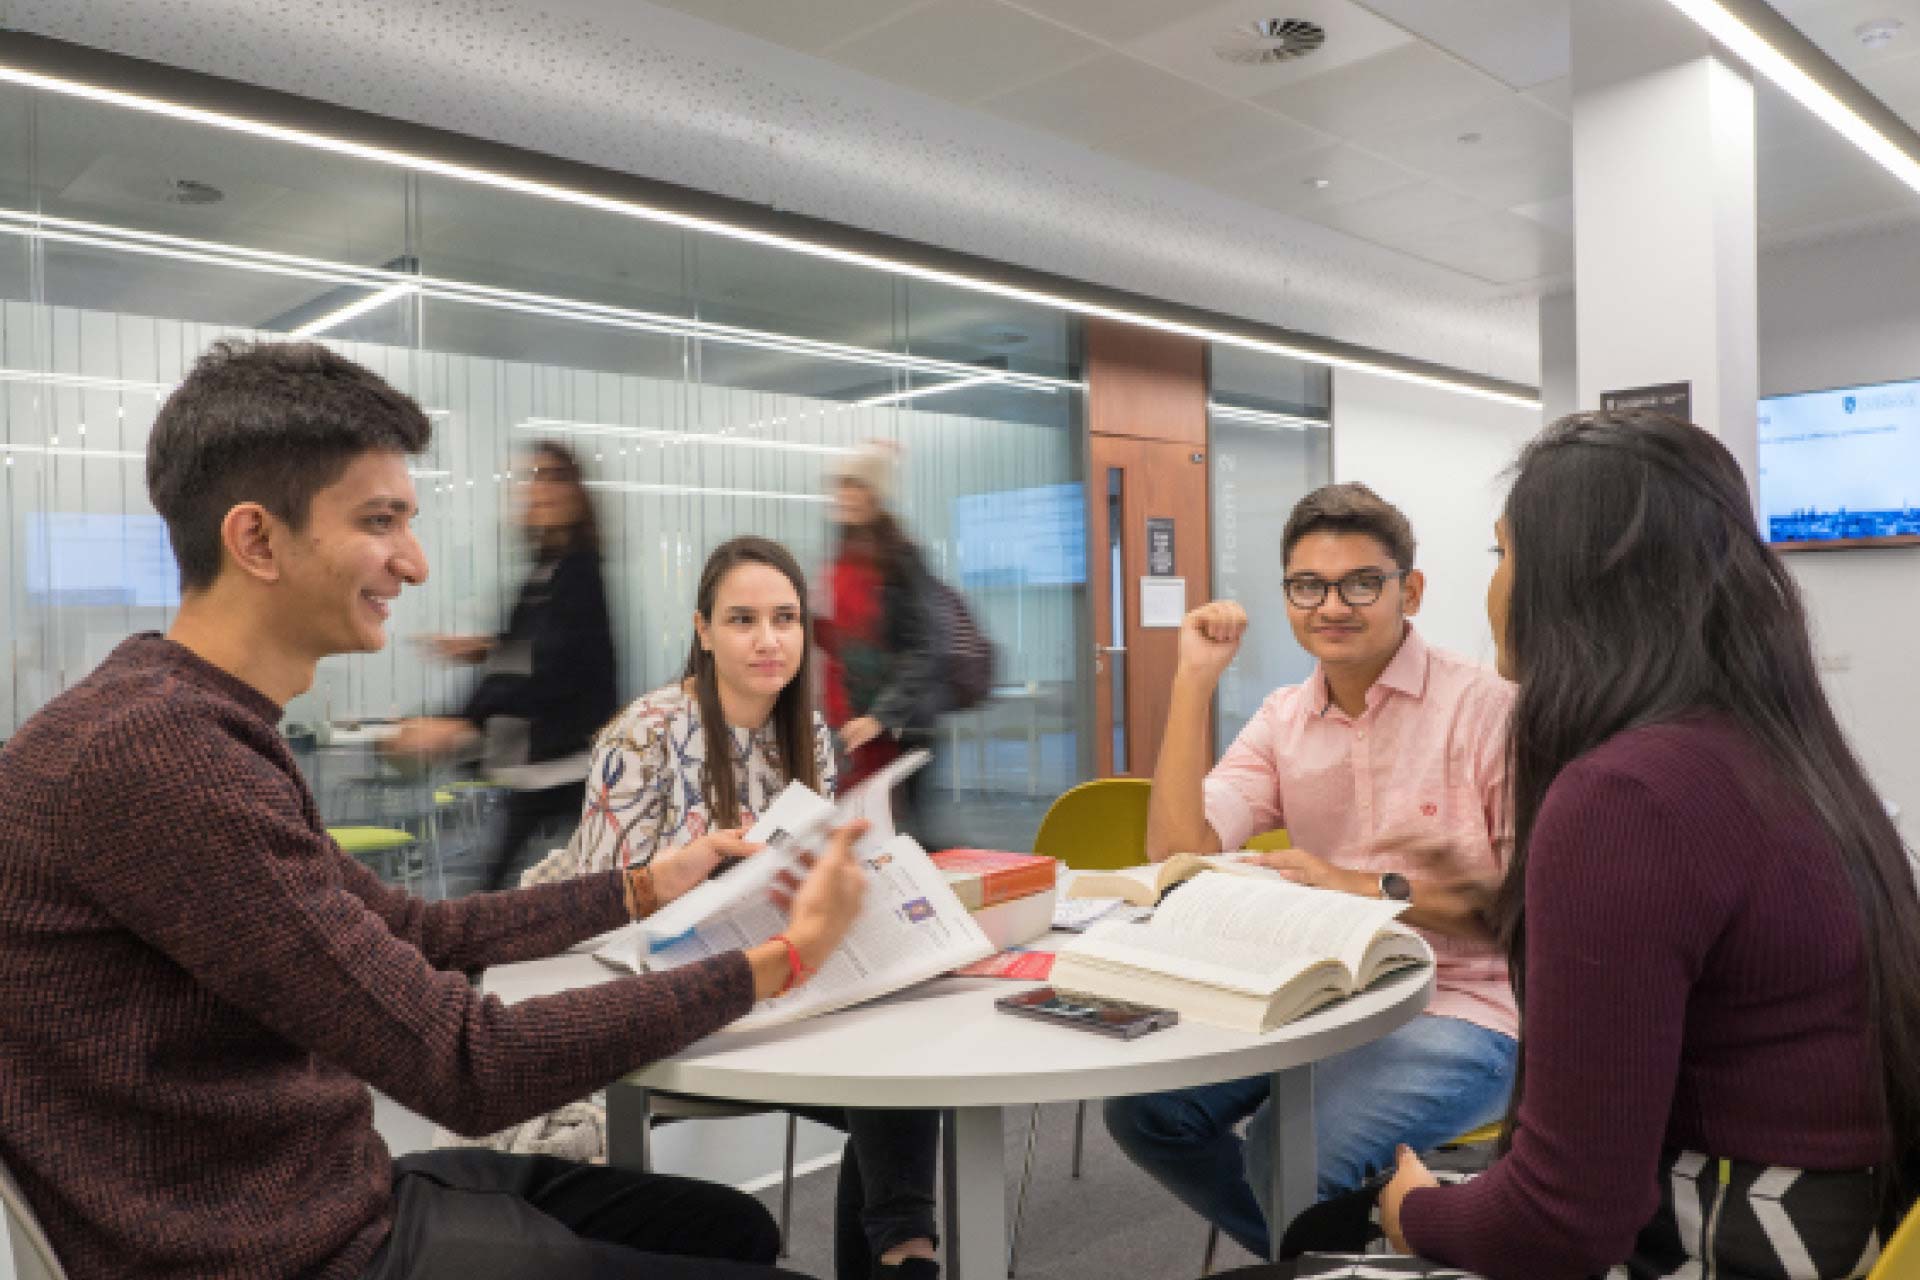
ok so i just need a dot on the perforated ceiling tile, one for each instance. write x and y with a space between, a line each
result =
655 92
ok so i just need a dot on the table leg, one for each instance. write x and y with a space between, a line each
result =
1295 1151
976 1185
629 1127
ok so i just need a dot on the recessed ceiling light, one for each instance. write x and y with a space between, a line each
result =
1878 32
1319 184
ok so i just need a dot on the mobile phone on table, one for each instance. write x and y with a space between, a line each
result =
1121 1019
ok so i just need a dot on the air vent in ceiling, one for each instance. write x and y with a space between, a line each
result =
1271 40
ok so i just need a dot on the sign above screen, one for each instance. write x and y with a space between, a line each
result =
1841 468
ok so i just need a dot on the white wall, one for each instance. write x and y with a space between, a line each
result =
1833 314
1838 314
1440 457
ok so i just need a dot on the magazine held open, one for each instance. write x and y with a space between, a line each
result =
910 928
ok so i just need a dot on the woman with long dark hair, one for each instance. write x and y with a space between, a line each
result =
1711 922
548 681
657 782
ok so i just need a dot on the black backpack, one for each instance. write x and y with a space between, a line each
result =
966 656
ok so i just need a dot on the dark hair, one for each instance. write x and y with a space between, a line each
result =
1642 594
268 422
792 710
1350 508
555 461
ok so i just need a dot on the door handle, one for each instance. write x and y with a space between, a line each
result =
1109 648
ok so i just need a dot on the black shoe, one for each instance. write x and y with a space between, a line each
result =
907 1269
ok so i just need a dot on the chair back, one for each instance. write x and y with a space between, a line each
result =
1900 1260
1097 826
1270 841
32 1253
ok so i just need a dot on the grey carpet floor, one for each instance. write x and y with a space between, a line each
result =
1112 1222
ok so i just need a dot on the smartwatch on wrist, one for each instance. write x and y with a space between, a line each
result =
1395 887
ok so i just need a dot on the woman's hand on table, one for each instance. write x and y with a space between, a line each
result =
677 870
820 909
1410 1175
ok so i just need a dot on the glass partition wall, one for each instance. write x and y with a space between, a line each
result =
708 384
1269 419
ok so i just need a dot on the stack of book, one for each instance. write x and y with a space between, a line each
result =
1010 894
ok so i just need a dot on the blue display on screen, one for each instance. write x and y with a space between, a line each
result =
1841 466
84 558
1022 537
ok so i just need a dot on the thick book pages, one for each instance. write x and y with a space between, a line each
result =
1146 885
1016 923
910 928
984 877
1246 953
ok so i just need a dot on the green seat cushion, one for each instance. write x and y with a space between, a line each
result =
369 839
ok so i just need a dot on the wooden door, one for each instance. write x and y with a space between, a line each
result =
1134 484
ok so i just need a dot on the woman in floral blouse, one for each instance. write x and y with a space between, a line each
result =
747 699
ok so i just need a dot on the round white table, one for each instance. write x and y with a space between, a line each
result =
943 1046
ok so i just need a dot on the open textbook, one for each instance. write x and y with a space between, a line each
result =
910 928
1244 953
1145 885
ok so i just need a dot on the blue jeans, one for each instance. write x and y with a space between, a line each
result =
1432 1079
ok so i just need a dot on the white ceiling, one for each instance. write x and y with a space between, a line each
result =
1434 128
1406 187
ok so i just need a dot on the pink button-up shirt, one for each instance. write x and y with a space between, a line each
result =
1427 757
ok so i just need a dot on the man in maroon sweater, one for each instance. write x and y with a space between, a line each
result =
197 986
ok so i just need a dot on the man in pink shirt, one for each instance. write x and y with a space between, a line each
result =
1390 758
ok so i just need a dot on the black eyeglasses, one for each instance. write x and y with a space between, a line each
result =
1362 586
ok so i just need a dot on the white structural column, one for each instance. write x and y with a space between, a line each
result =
1664 214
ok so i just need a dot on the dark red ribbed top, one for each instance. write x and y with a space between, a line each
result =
196 987
1695 979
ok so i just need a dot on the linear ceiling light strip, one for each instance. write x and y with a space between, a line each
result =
677 437
917 393
215 253
630 486
1262 417
354 310
691 222
1731 30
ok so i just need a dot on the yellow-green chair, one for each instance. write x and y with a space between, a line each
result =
1900 1260
1271 841
1097 826
388 845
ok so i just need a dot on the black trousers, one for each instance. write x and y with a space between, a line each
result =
885 1193
470 1214
527 812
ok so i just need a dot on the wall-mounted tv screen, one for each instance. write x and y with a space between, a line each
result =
90 558
1841 468
1022 537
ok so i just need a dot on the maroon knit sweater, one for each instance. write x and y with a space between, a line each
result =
1695 979
197 986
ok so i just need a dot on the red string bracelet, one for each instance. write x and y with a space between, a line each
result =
797 971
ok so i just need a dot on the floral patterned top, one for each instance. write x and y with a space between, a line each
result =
643 785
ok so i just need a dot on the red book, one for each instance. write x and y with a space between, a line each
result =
1027 966
983 877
